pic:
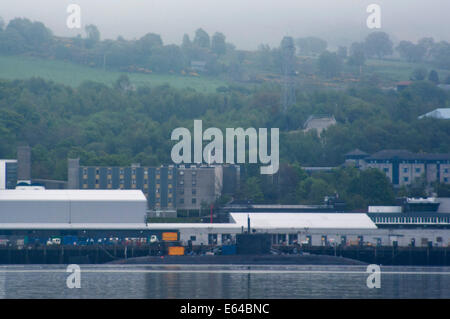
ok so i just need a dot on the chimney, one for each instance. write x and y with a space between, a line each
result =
24 163
73 173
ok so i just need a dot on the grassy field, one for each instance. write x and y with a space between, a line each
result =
391 70
20 67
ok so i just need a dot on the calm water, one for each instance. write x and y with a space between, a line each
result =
216 281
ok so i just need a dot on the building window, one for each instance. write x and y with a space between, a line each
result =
445 170
85 171
194 191
121 171
145 181
405 179
194 201
181 200
182 191
386 170
445 179
405 170
417 170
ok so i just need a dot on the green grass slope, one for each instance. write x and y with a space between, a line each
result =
22 67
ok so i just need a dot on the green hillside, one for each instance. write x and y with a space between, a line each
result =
22 67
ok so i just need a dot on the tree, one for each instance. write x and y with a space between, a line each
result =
378 44
149 41
218 44
440 54
252 190
433 77
427 44
201 39
330 64
311 45
410 51
93 35
357 54
342 52
419 74
186 44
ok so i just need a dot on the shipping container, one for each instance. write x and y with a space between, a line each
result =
170 236
176 251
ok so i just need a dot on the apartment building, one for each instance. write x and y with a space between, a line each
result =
404 167
157 183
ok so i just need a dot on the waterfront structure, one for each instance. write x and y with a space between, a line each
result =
61 208
404 167
8 174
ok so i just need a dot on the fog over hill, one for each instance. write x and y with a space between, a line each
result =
246 23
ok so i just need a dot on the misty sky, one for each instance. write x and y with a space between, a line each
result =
246 23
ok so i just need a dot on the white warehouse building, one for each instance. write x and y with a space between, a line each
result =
72 206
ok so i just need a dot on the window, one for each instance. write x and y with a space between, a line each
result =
194 201
405 170
194 191
193 238
181 200
182 191
386 170
418 170
446 170
121 171
97 171
445 179
145 181
405 179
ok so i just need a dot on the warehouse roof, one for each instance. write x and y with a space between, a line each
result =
71 195
304 220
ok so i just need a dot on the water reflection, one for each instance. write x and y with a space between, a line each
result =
184 281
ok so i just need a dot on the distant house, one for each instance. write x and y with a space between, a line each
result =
442 114
198 66
402 85
319 123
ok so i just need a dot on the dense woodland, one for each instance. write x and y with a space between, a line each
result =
121 125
